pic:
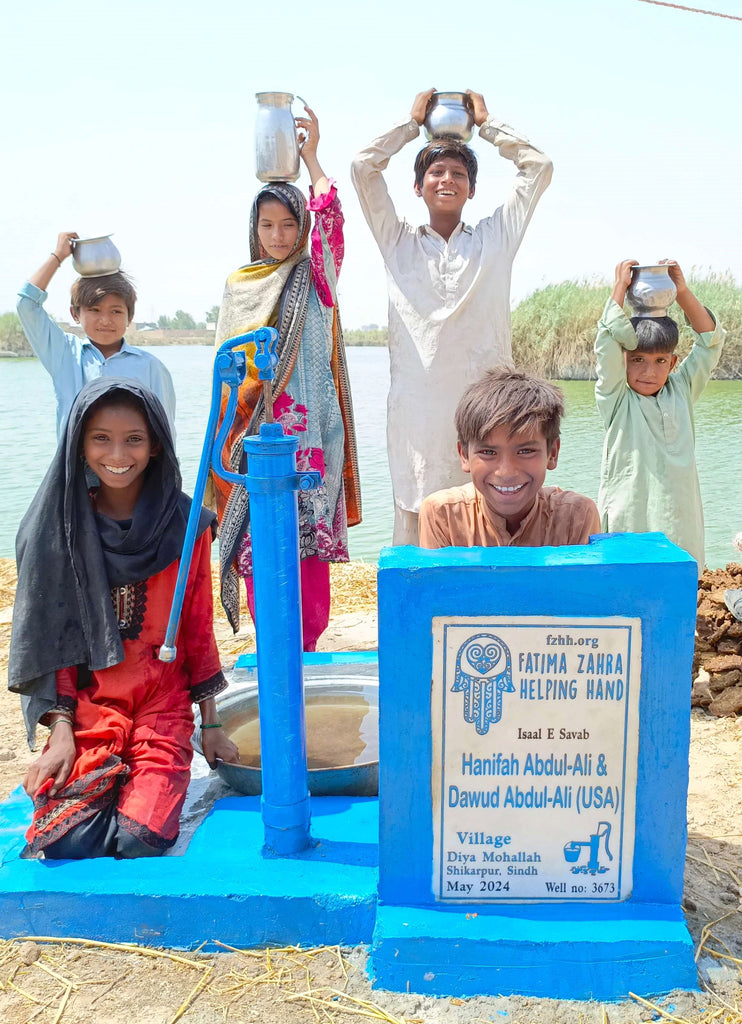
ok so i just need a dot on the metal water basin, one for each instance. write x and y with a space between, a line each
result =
342 722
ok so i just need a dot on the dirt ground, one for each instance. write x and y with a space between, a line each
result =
74 982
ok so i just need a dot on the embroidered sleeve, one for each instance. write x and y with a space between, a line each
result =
66 693
327 242
209 687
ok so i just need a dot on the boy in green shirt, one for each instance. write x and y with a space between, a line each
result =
649 480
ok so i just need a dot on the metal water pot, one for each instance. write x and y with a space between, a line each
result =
95 257
276 147
449 114
651 292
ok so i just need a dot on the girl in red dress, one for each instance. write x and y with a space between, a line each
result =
96 574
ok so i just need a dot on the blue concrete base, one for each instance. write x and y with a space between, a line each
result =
646 950
222 888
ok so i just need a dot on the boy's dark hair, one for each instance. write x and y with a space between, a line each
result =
656 334
509 398
439 149
88 291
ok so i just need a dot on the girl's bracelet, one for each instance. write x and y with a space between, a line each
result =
212 725
63 718
56 258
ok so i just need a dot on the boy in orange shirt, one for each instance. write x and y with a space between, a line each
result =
508 430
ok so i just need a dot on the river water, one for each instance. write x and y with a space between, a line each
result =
27 442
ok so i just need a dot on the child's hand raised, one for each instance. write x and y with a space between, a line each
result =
307 129
307 134
676 274
622 280
420 106
696 313
479 106
63 248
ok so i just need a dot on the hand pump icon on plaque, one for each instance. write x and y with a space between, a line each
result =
574 848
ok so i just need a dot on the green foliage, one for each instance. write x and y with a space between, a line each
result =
213 315
554 328
12 338
380 336
182 321
722 295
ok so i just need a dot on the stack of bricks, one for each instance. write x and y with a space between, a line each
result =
717 665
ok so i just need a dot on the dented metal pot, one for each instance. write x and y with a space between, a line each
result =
95 257
651 292
276 145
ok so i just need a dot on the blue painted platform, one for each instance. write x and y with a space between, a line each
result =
221 888
550 952
577 950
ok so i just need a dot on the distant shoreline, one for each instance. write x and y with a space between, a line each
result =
553 329
172 336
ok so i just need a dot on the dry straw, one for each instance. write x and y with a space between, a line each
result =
70 986
8 581
285 976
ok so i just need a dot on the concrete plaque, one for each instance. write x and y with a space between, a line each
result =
535 726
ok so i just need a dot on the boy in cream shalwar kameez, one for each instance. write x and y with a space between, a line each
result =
449 299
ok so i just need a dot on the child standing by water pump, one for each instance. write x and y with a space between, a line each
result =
292 286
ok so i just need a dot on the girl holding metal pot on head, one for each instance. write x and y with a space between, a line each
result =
290 283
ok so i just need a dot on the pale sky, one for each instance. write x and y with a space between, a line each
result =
138 119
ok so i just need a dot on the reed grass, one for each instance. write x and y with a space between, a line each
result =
365 337
554 327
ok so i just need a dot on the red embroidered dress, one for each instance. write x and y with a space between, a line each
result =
133 722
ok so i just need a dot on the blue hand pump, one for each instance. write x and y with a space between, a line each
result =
272 482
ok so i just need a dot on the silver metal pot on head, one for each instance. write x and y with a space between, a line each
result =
95 257
651 292
276 145
449 114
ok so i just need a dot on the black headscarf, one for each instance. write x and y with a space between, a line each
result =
69 557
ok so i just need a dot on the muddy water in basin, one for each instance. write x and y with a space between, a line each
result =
341 730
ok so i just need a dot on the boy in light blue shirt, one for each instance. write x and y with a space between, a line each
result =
104 308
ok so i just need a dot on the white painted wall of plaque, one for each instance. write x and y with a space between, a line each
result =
535 730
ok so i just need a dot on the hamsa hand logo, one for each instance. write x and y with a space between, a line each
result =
483 674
